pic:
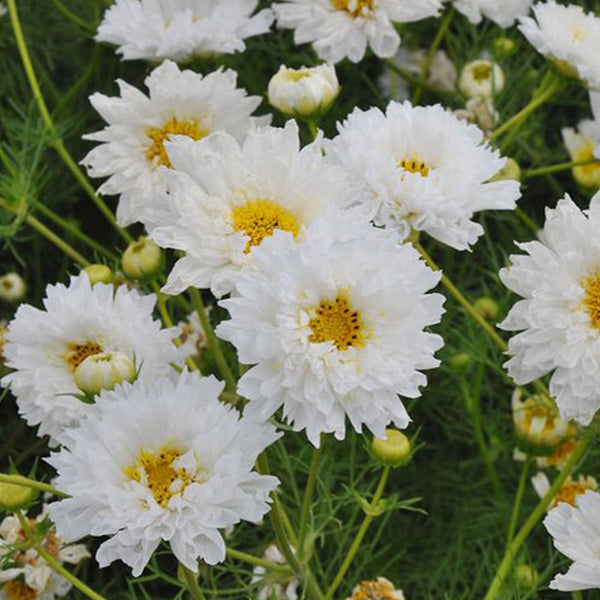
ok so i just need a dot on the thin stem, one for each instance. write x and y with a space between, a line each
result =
308 496
359 536
212 341
527 220
72 16
55 564
513 548
31 483
518 499
191 581
559 167
313 128
258 562
443 29
48 234
577 595
56 142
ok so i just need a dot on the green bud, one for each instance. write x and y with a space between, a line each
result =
14 497
526 577
460 360
143 259
510 171
487 308
395 450
98 273
503 47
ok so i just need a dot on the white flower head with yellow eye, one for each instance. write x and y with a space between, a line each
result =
379 589
181 29
225 198
423 168
166 461
558 317
576 534
502 12
46 347
334 325
341 29
570 492
568 36
180 103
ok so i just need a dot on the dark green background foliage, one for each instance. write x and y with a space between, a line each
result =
451 549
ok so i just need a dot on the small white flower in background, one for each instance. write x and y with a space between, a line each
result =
576 534
224 198
181 29
45 347
424 169
481 78
193 338
559 315
25 575
12 288
558 459
303 92
380 589
3 10
334 325
103 371
480 111
502 12
341 29
180 103
274 586
570 491
568 36
166 461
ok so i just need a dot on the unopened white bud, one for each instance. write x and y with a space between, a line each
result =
98 274
12 287
143 259
481 78
303 92
103 371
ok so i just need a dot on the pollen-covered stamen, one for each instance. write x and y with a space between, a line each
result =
18 590
373 590
571 490
592 299
77 353
355 8
336 321
157 153
258 219
414 164
157 472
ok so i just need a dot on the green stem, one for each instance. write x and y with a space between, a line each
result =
258 562
212 341
308 496
48 234
513 548
313 128
31 483
527 220
518 499
559 167
191 581
55 564
359 536
577 595
73 17
56 142
443 29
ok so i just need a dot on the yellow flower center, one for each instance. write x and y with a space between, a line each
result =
354 8
481 72
561 454
17 590
79 352
414 164
156 153
336 321
157 472
258 219
588 175
373 590
592 299
571 490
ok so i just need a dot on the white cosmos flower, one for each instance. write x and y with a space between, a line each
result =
273 585
576 534
423 169
559 315
181 29
502 12
568 36
132 146
344 28
581 144
225 197
161 461
334 326
45 347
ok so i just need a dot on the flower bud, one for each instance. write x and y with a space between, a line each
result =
460 360
12 288
504 47
511 170
13 496
98 274
487 308
526 577
395 450
303 92
103 371
143 259
481 78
